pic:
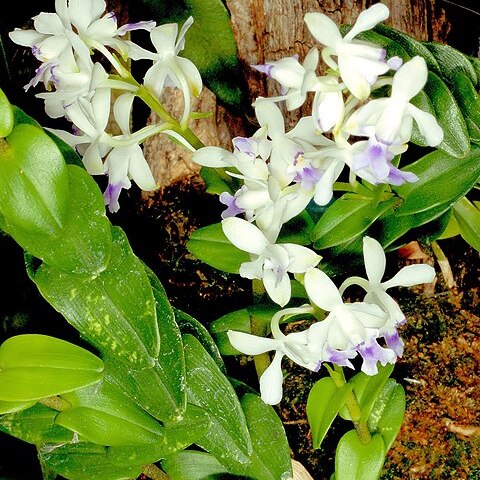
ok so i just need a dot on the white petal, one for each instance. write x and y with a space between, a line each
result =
374 258
427 124
215 157
83 12
26 38
324 187
385 301
411 275
252 270
49 23
93 160
301 258
323 29
353 79
139 171
410 78
251 344
279 291
244 235
268 114
122 109
191 74
368 19
321 290
271 381
163 38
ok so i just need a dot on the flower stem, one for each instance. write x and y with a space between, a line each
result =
262 361
352 406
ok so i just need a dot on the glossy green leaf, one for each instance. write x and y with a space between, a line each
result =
84 243
451 230
114 311
12 407
6 115
469 102
443 180
228 438
102 414
271 455
240 320
347 218
21 117
37 366
412 46
86 461
216 180
449 116
35 425
297 230
388 411
159 389
192 465
366 389
451 61
209 43
210 245
175 436
188 324
357 461
33 181
467 216
323 404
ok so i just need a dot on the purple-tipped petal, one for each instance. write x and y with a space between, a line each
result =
230 201
394 342
372 353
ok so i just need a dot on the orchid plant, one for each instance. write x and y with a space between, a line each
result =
338 185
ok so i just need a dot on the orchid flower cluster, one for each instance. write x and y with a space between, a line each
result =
282 172
80 89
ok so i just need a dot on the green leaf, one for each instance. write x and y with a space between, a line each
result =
188 324
449 116
346 219
388 411
159 389
209 43
366 389
33 367
35 425
469 102
175 436
467 216
84 243
451 230
216 180
210 245
33 181
323 404
410 45
357 461
297 230
86 461
451 61
114 311
443 180
228 438
12 407
6 115
102 414
191 465
271 455
241 321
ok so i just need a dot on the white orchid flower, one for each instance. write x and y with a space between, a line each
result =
294 78
168 68
375 263
270 263
349 327
127 162
328 108
392 118
358 63
286 147
293 345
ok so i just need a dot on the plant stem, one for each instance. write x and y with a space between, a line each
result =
352 405
154 473
262 361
